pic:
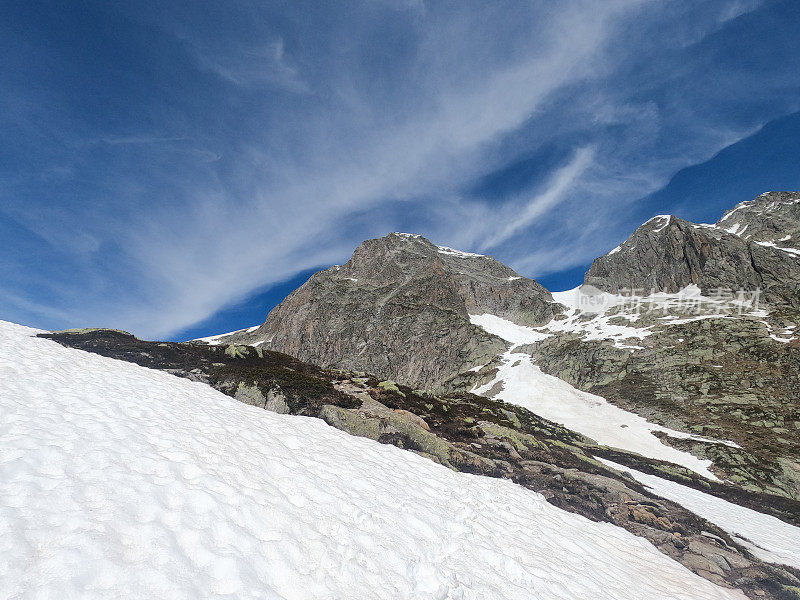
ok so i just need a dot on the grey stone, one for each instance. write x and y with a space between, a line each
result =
668 253
400 308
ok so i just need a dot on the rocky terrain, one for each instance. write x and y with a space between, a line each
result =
717 377
400 308
478 435
724 363
699 334
683 337
749 248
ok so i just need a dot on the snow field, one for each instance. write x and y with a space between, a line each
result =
214 340
767 537
120 481
524 384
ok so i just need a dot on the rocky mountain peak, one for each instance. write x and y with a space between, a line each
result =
773 218
668 253
390 255
751 247
400 308
399 256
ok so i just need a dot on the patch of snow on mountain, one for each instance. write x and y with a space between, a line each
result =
794 251
664 220
767 537
599 327
746 204
524 384
587 315
118 481
590 312
214 340
771 207
459 253
734 229
510 332
781 335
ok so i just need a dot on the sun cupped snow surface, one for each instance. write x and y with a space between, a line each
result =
118 481
770 539
524 384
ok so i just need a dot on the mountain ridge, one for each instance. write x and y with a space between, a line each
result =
404 309
358 315
745 250
672 414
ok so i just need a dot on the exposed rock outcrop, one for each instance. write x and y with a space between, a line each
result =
753 246
772 218
400 308
722 378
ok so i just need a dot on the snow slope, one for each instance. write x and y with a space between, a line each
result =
118 481
524 384
214 340
768 538
595 315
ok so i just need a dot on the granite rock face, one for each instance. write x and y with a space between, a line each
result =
733 375
400 308
750 248
772 218
722 378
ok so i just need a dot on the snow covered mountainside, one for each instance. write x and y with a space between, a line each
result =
686 333
486 436
122 481
524 384
650 434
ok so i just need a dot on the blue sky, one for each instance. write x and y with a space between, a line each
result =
175 170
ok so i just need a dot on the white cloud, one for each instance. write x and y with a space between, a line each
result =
516 220
222 249
280 183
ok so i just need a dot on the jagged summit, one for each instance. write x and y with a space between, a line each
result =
441 249
751 247
772 219
401 256
765 203
668 253
400 308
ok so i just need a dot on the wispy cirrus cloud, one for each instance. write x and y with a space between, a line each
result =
519 218
265 64
242 146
